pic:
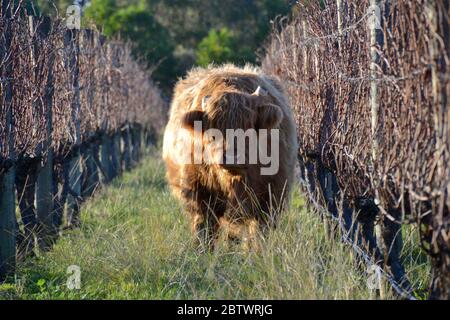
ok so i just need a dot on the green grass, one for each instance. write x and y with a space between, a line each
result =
135 244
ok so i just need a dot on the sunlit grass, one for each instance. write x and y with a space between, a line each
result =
135 244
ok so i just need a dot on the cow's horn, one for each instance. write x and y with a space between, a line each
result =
204 101
260 92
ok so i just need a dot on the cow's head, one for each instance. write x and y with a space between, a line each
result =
228 118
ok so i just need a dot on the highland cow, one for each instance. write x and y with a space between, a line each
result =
230 149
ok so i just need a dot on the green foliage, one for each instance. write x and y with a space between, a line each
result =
135 23
54 8
218 47
221 46
173 35
99 12
200 24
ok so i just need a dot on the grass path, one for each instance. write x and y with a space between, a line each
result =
135 244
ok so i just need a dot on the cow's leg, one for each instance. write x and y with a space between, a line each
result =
250 239
205 210
25 194
247 217
198 227
232 231
204 229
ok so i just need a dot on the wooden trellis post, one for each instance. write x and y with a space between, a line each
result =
44 183
340 21
115 154
88 44
136 141
105 127
376 41
92 176
375 45
26 165
71 44
126 136
437 13
105 158
7 177
390 232
113 81
7 224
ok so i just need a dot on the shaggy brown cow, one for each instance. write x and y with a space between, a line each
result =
241 195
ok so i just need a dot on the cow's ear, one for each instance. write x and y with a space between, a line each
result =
269 116
191 117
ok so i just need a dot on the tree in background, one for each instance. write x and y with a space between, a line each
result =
135 23
54 8
174 35
218 47
190 23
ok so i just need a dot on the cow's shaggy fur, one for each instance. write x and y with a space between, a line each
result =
237 199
